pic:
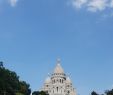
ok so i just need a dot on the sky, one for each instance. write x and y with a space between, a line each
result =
34 33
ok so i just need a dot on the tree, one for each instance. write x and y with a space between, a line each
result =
10 83
1 64
24 88
19 94
39 93
109 92
35 93
94 93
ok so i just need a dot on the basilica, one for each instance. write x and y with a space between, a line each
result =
58 83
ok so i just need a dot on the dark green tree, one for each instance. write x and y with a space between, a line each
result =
10 83
109 92
1 64
35 93
94 93
39 93
24 88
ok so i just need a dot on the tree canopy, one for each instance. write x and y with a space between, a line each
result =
94 93
39 93
10 83
107 92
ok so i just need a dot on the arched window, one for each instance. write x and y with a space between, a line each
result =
57 89
60 81
68 92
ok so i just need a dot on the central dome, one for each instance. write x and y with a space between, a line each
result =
58 68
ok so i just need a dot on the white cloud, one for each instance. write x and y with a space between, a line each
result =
97 5
93 5
111 3
13 2
78 3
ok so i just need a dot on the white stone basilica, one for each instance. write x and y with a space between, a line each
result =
58 83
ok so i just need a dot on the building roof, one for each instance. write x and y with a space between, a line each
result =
58 68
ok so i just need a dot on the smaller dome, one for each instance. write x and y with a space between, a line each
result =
48 80
68 80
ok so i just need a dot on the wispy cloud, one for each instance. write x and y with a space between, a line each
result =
92 5
111 3
13 2
97 5
78 3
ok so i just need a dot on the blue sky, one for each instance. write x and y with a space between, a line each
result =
33 34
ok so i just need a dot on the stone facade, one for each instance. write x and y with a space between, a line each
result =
58 83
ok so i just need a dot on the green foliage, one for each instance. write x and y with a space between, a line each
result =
109 92
94 93
24 88
39 93
19 94
1 64
10 83
35 93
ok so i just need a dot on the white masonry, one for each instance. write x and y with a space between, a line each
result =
58 83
